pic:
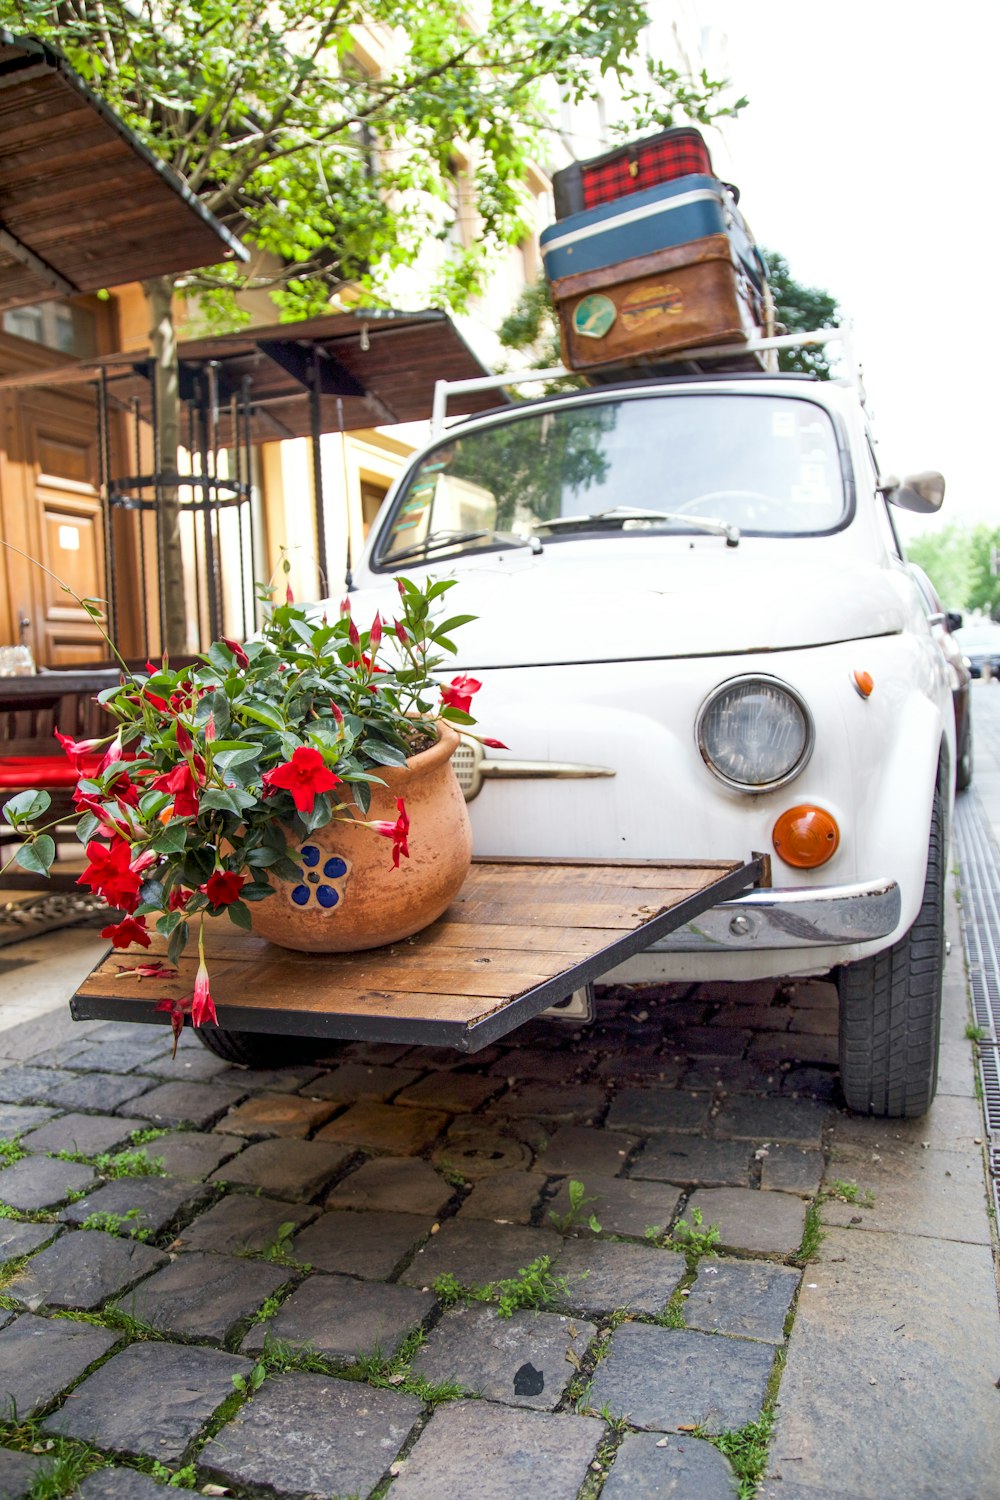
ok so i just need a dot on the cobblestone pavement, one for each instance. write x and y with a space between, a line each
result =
280 1302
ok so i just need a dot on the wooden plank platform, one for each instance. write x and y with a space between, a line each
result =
520 935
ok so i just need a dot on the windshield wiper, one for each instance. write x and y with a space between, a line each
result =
437 541
623 513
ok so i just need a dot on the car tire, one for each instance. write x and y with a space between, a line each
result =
262 1049
890 1007
963 768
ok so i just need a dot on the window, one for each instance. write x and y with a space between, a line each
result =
58 325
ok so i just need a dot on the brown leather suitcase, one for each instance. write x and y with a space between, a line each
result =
660 304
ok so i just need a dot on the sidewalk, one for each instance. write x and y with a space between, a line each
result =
273 1309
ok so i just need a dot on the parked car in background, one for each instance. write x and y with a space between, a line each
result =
980 645
698 636
945 623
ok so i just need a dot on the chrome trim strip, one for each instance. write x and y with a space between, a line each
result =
791 917
499 770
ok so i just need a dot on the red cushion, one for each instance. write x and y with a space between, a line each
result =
25 771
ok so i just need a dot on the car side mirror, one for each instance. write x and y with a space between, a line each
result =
953 620
922 492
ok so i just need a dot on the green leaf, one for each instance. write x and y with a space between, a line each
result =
177 943
239 915
38 855
172 840
262 712
384 755
26 806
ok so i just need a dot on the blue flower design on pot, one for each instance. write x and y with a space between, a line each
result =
321 880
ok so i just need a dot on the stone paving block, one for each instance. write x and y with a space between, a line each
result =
342 1319
715 1041
749 1298
150 1400
523 1360
159 1200
27 1085
397 1184
777 1047
287 1169
86 1135
799 1122
730 1075
379 1054
241 1222
621 1205
664 1378
15 1119
350 1081
759 1017
123 1054
637 1067
101 1091
687 1160
81 1271
477 1150
39 1357
476 1252
602 1276
369 1245
37 1182
810 1081
685 1467
953 1123
288 1079
649 1111
579 1104
22 1239
198 1104
938 1193
386 1128
791 1169
538 1064
202 1296
458 1093
308 1435
506 1197
18 1472
193 1064
899 1331
284 1115
496 1453
190 1156
119 1484
770 1223
583 1152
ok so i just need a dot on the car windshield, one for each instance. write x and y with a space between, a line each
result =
768 465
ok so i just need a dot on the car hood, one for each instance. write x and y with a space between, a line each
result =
702 601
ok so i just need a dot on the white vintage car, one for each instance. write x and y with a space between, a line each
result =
698 637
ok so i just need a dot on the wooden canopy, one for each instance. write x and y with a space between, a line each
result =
83 204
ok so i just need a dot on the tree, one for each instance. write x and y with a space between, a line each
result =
798 309
959 562
265 110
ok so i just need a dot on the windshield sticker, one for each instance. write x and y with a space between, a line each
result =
782 424
647 303
593 316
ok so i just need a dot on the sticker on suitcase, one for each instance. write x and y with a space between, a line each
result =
646 304
593 316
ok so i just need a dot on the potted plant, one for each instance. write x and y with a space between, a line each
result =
262 783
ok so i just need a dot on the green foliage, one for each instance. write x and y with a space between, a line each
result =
798 309
340 174
958 561
533 1286
974 1032
115 1223
185 1478
746 1449
578 1201
693 1239
812 1235
849 1192
10 1152
113 1164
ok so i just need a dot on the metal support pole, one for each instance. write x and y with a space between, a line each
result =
141 523
103 463
315 423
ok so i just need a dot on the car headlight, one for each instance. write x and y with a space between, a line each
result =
754 733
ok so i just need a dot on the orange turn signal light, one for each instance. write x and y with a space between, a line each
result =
805 836
865 683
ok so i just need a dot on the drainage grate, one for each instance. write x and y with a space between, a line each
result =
979 876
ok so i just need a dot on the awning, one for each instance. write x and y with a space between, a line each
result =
346 370
83 204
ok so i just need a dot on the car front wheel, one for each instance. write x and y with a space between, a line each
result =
890 1007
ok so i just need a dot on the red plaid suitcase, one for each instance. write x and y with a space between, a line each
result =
629 169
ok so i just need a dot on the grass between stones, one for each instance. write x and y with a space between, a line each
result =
535 1286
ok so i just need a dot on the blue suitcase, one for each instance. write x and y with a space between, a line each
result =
671 213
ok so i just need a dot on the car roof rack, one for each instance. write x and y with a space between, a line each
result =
816 337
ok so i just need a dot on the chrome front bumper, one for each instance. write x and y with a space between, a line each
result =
814 917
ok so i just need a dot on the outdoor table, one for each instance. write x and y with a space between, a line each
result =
521 935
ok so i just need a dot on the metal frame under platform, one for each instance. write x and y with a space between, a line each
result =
520 935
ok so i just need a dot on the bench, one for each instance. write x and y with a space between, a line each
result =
31 708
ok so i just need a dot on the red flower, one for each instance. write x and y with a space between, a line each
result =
78 749
345 606
223 888
375 634
178 898
202 1004
400 630
459 694
156 970
337 715
158 703
182 784
396 831
240 656
304 775
184 740
110 874
289 596
124 791
496 745
128 930
353 634
178 1010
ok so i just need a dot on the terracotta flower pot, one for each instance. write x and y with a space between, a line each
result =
350 895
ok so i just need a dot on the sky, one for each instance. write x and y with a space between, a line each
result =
867 156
